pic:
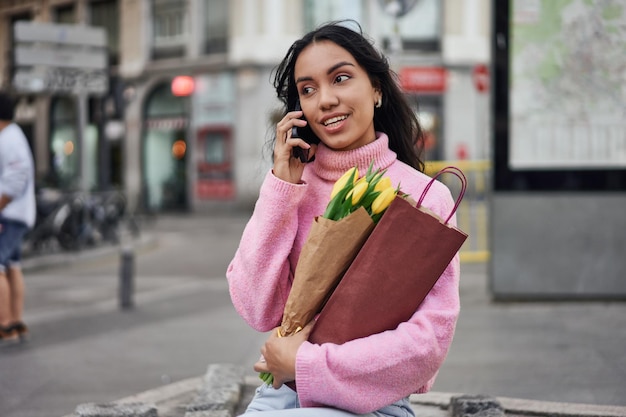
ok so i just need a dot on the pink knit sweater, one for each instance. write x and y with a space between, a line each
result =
365 374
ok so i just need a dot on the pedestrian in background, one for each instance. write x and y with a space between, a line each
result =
351 104
17 215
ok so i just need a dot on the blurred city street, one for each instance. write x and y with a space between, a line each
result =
84 348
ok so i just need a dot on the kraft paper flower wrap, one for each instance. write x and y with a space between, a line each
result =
356 204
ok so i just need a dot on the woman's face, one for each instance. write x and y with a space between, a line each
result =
336 95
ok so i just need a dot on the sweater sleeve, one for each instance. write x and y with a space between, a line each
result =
367 374
260 274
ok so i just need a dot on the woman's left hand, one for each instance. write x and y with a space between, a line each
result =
279 355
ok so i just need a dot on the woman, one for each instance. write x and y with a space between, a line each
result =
353 106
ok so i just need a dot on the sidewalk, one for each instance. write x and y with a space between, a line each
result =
559 356
56 256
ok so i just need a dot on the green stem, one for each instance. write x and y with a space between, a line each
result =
267 377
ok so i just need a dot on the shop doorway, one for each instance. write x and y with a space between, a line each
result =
165 151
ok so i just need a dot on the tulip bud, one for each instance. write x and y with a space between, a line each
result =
383 200
384 183
358 192
349 177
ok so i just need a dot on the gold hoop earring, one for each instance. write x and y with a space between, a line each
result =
379 103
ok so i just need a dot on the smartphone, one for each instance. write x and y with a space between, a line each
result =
305 133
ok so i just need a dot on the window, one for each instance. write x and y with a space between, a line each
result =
214 148
105 14
165 150
214 176
317 12
65 14
215 26
419 28
64 154
169 28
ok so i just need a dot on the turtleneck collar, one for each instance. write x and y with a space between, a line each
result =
331 164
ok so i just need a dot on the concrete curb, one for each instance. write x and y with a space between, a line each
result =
216 394
225 390
117 410
521 407
219 393
475 406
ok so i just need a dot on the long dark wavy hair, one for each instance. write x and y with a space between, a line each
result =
395 117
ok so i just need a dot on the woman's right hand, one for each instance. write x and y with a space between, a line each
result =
286 167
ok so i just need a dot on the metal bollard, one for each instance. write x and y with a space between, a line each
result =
126 284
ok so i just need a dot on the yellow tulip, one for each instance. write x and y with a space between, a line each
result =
384 183
352 173
358 192
383 200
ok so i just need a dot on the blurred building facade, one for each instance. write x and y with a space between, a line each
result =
190 107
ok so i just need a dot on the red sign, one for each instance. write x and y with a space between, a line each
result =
183 85
480 76
423 79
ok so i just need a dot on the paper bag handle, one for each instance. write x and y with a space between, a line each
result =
449 170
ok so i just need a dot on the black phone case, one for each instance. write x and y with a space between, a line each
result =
306 134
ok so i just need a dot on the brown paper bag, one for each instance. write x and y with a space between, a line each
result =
396 268
330 248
